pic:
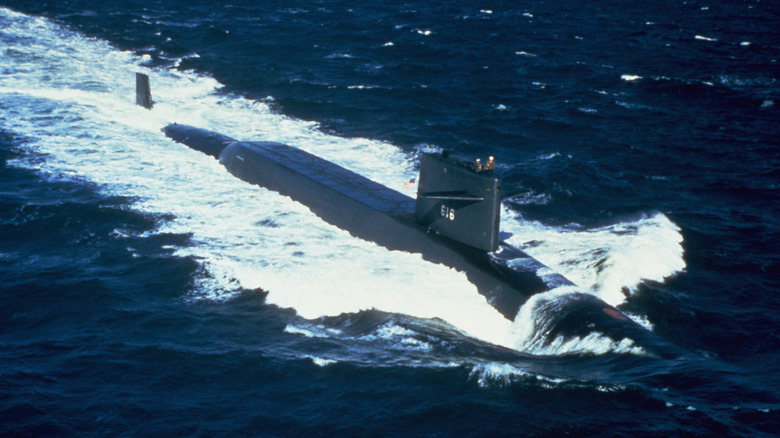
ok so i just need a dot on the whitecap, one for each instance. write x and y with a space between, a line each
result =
340 56
362 87
501 374
549 156
320 362
399 336
307 332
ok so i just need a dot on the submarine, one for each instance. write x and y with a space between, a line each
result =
453 221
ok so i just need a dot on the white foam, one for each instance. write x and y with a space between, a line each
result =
609 262
307 332
400 337
502 374
320 362
532 198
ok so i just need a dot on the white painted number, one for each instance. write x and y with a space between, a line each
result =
448 212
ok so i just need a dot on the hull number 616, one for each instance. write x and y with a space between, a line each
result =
448 212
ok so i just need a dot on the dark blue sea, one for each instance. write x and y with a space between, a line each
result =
144 291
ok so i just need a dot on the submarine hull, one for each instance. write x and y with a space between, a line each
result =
367 210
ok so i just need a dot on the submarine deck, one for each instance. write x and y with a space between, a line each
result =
357 187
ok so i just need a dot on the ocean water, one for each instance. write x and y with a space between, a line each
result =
145 291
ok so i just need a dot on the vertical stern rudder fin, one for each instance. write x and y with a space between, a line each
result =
143 91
